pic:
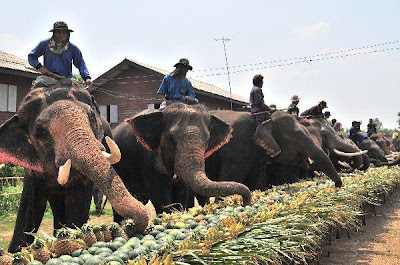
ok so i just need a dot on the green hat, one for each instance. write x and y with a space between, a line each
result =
184 62
60 25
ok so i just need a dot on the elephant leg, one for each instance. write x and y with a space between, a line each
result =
30 213
182 195
56 201
161 194
77 202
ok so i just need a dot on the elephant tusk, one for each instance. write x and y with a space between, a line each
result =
349 154
317 173
344 164
115 155
63 173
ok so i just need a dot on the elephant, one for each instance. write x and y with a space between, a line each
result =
165 152
382 142
375 153
281 143
333 143
346 163
56 136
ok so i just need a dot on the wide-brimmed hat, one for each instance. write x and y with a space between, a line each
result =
184 62
60 25
295 98
323 103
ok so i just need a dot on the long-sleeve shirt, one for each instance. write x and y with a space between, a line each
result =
60 64
313 111
256 99
293 109
174 89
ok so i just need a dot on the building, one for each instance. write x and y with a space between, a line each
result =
15 82
131 86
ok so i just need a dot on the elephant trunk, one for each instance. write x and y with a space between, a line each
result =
324 164
190 167
75 141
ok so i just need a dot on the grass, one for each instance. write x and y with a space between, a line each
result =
7 222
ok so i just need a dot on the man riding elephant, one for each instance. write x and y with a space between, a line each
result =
293 109
315 111
58 55
259 109
175 87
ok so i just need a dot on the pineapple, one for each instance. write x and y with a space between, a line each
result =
128 226
87 235
98 233
64 245
5 257
19 259
40 252
106 232
116 231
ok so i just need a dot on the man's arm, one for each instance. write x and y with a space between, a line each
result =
163 87
191 90
33 58
81 65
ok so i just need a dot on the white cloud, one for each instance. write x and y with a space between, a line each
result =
319 29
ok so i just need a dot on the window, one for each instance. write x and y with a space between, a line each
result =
8 98
153 106
110 112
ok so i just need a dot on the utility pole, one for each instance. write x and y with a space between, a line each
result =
224 40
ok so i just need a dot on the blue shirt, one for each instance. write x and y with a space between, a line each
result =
60 64
256 98
174 89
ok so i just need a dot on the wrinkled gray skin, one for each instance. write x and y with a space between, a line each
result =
327 138
50 127
375 153
396 144
382 142
156 145
349 160
282 139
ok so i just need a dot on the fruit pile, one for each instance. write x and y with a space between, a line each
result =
284 224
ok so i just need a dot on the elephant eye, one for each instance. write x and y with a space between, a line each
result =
40 132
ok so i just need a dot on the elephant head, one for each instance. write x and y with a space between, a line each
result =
382 142
332 142
375 153
182 136
290 142
57 132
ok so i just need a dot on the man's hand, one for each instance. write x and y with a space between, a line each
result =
43 70
89 82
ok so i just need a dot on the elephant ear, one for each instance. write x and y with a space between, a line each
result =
15 147
147 127
220 134
263 137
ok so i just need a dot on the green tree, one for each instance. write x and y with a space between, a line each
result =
398 120
378 123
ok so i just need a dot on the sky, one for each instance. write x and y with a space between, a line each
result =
344 52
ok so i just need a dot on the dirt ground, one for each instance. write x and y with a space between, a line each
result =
376 243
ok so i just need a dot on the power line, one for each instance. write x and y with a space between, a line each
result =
301 58
304 60
273 64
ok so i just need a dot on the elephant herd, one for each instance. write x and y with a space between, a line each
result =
168 157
